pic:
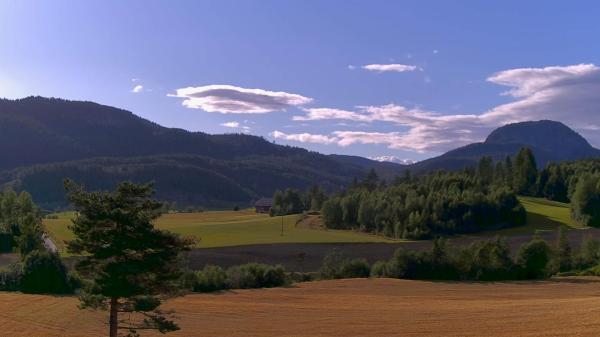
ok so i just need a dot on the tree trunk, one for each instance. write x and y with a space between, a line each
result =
114 319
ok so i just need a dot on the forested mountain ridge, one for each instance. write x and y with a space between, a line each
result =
45 140
550 141
37 130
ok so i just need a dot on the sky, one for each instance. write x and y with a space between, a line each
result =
389 80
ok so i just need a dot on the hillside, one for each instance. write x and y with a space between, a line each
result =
100 145
550 141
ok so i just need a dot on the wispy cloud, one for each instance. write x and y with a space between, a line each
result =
231 124
232 99
304 137
568 94
236 125
137 89
394 67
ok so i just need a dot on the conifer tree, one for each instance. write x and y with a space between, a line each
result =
131 267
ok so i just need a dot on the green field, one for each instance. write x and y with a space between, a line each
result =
229 228
542 215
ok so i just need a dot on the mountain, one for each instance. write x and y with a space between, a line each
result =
550 141
45 140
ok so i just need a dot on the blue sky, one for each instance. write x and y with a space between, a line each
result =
405 79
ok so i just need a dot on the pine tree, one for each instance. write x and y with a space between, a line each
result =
485 169
525 172
130 265
509 171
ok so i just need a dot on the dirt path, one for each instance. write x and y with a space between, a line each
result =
378 307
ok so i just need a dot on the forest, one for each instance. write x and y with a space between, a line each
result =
444 203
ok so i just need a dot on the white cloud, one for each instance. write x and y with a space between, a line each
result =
569 94
137 89
304 137
314 114
236 125
232 99
395 67
351 67
393 159
231 124
427 131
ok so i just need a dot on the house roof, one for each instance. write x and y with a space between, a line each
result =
264 202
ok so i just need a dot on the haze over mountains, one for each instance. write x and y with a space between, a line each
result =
45 140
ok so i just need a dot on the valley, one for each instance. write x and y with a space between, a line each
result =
229 238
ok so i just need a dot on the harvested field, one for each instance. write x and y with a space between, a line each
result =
359 307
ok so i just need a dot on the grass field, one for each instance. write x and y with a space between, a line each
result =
230 228
358 307
542 215
245 227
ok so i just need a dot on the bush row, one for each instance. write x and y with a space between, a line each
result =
247 276
488 260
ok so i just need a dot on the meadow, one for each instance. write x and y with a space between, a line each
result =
542 215
230 228
245 227
352 307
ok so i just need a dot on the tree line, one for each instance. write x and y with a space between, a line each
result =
429 205
473 199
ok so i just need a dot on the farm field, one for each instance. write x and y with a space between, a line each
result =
357 307
245 228
230 228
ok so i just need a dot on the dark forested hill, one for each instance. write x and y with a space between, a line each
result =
45 140
550 141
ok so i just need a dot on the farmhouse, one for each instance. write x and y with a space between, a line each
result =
263 205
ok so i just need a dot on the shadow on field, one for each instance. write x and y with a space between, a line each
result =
543 220
308 257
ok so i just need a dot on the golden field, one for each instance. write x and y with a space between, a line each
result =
358 307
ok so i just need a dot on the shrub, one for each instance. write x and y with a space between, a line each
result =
406 264
10 278
211 278
44 272
355 268
336 265
533 258
301 277
486 261
380 269
255 275
589 254
188 280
